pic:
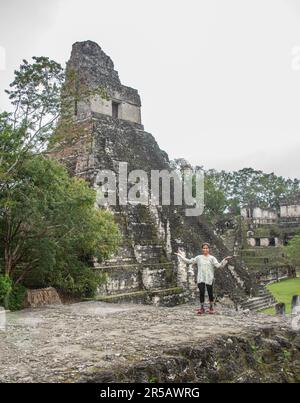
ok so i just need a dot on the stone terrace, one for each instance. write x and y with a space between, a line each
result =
71 343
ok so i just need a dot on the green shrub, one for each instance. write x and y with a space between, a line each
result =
87 283
64 230
5 289
81 281
16 297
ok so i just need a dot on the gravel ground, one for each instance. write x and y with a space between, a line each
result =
66 343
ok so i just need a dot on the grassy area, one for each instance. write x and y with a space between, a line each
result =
283 292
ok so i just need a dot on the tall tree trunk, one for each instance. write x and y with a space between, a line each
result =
7 259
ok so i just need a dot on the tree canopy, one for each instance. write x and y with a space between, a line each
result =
50 229
247 187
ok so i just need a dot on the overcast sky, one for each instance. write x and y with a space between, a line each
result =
218 81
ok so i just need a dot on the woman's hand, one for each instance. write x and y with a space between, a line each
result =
228 258
177 254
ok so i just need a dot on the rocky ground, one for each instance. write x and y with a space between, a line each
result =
95 341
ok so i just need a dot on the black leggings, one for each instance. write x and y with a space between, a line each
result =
210 292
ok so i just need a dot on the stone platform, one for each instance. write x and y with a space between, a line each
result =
98 342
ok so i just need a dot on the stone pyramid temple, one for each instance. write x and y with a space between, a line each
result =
144 269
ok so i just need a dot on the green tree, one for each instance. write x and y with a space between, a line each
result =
249 187
50 230
214 199
43 97
293 250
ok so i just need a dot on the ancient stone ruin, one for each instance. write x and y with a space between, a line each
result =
106 343
144 269
42 297
264 234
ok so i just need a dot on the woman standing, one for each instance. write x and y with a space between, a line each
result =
206 264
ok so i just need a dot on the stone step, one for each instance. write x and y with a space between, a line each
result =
271 265
134 266
161 297
263 290
256 304
264 293
260 306
265 306
257 299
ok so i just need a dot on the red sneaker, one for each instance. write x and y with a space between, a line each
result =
211 311
200 311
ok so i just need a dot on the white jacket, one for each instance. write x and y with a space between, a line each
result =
206 266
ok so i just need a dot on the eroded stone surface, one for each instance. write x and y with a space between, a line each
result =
78 342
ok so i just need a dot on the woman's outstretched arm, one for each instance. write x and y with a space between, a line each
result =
188 261
222 264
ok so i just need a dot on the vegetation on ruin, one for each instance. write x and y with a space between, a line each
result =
293 250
